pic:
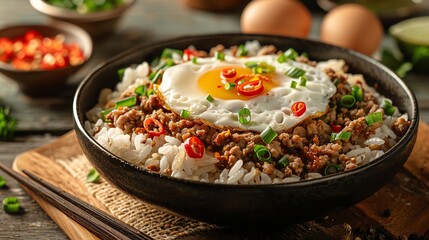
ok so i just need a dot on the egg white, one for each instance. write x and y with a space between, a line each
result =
180 90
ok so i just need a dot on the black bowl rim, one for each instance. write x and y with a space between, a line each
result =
63 13
61 27
323 180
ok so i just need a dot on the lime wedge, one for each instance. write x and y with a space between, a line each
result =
412 38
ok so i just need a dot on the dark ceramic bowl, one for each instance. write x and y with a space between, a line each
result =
97 24
44 82
247 204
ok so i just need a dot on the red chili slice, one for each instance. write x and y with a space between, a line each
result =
194 147
298 108
250 88
336 128
228 72
188 54
153 127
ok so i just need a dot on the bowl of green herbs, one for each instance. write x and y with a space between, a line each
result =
98 18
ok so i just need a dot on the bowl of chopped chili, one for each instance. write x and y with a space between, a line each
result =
40 57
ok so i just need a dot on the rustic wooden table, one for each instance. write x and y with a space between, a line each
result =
42 120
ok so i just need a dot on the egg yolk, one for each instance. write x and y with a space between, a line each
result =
213 83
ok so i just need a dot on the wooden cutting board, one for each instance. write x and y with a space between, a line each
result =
401 208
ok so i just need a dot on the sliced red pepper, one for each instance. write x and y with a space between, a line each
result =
228 72
188 54
298 108
250 88
32 34
153 127
194 147
336 128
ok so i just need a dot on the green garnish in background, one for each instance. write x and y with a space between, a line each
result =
86 6
93 176
7 123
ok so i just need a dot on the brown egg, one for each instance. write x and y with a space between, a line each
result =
352 26
279 17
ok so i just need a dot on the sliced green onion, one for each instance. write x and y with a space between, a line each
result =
291 54
93 176
156 76
141 90
268 135
126 102
302 81
244 116
194 60
336 82
184 113
295 72
262 153
331 169
121 73
241 51
266 68
168 63
293 84
209 98
168 53
105 112
150 92
251 64
2 182
11 205
284 161
341 136
347 101
374 118
220 56
282 58
357 93
229 85
388 108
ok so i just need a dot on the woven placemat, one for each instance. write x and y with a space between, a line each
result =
153 222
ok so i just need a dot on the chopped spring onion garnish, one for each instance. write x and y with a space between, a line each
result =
374 118
331 169
141 90
93 176
121 73
293 84
291 54
194 60
347 101
220 56
268 135
341 136
241 51
184 113
357 93
209 98
169 52
251 64
150 92
336 82
105 112
168 63
302 81
229 85
389 110
295 72
2 182
244 116
155 77
284 161
282 58
262 153
11 205
126 102
263 67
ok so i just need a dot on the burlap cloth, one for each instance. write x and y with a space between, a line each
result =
153 222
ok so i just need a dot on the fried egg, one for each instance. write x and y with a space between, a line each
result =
185 87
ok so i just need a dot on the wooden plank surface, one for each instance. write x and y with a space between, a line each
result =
43 120
401 208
